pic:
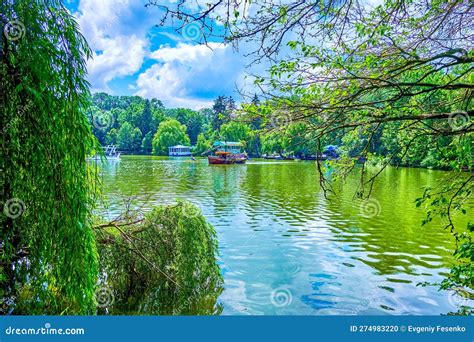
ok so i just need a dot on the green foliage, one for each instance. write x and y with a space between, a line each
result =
48 256
111 137
147 142
272 143
194 121
166 265
140 113
170 133
202 144
449 200
129 138
235 131
223 109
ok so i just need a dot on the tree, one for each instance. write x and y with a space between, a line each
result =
235 131
202 144
272 143
111 137
255 120
146 118
147 142
297 139
179 251
48 263
129 138
231 106
219 112
193 120
170 133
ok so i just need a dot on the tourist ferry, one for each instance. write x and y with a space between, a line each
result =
110 153
227 152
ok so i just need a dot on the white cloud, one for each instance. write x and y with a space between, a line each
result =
186 74
120 56
116 30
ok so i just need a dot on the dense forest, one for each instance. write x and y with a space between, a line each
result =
137 125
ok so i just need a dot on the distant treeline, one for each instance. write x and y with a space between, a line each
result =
138 125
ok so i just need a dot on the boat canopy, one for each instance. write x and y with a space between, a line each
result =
227 146
227 143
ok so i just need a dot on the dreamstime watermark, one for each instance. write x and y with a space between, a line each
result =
456 300
104 296
458 119
103 120
114 18
370 208
14 30
46 330
192 31
22 110
281 297
363 305
279 118
14 208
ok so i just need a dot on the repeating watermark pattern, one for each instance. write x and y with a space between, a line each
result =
363 305
279 118
234 115
192 31
14 30
22 110
103 120
370 208
456 300
14 208
104 296
281 297
458 119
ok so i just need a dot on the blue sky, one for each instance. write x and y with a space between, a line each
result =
134 57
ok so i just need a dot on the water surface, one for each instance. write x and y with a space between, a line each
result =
286 249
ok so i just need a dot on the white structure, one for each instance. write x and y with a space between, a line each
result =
179 151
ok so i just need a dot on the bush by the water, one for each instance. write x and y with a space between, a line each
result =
166 264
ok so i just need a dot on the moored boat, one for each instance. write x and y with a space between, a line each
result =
110 153
227 152
221 158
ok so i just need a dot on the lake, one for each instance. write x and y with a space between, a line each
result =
286 249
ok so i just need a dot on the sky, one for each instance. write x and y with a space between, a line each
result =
134 56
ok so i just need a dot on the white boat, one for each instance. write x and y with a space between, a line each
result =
110 153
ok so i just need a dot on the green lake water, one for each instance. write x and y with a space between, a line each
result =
285 249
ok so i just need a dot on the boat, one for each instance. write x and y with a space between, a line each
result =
273 156
314 157
240 158
227 152
221 158
110 153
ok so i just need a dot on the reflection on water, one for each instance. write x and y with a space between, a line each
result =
285 249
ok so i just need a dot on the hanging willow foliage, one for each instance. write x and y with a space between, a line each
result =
162 264
49 262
